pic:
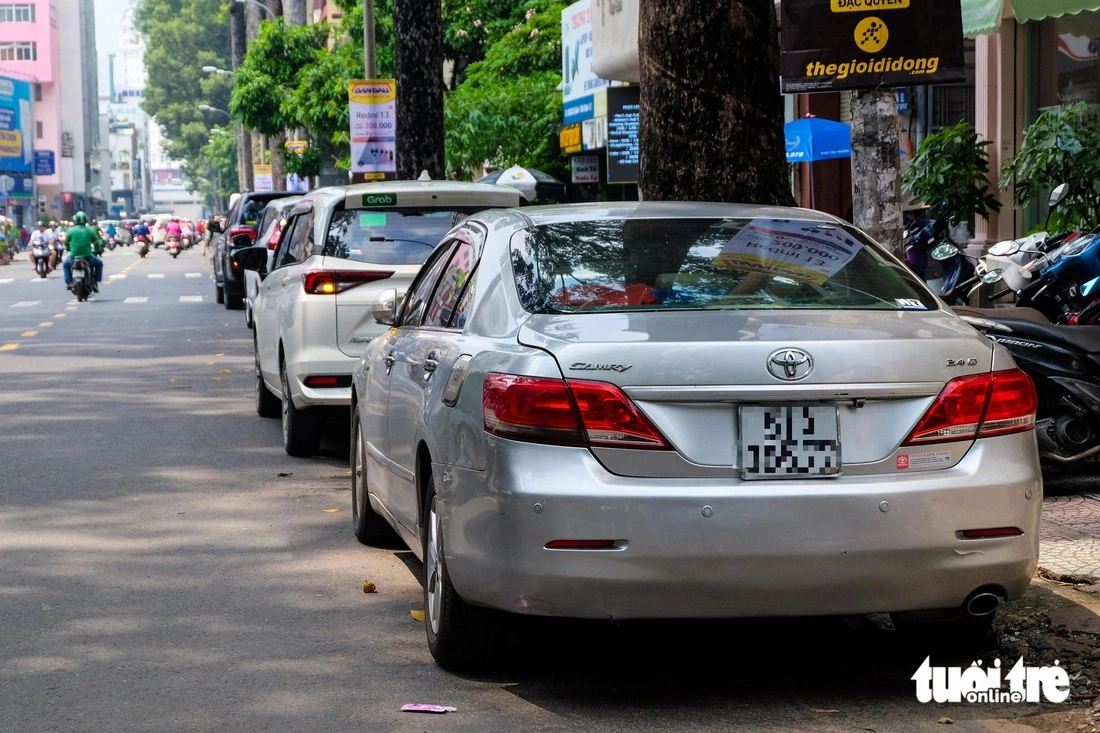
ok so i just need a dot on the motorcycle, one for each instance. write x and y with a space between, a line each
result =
1064 364
142 246
172 244
111 243
188 241
83 279
41 254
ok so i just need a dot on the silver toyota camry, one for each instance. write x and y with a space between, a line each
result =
684 410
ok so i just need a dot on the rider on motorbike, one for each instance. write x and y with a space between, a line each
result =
83 241
173 228
42 237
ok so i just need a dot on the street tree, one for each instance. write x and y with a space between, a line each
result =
711 112
418 64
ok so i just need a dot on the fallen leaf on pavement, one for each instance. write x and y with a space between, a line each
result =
418 615
333 510
369 587
419 707
945 721
285 473
225 371
217 379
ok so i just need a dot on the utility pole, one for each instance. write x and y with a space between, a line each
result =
238 42
370 62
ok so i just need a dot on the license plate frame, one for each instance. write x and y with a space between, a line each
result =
751 430
78 274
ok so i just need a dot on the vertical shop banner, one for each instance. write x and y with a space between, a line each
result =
579 82
373 115
624 117
829 45
261 176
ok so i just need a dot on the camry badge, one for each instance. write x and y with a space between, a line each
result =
790 365
583 366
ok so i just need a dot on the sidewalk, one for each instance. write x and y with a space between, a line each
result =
1070 536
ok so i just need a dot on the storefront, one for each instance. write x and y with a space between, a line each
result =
1030 55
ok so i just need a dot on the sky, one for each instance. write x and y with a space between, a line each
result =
108 19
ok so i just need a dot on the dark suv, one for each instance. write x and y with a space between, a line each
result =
240 230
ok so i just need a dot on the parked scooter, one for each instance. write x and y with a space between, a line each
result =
83 279
41 254
172 244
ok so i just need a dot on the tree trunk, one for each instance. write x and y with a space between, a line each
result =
275 6
711 113
278 165
418 51
238 42
295 11
876 168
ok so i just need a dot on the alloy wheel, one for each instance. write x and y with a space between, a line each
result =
434 564
357 475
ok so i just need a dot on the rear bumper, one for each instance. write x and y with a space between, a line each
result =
794 548
320 361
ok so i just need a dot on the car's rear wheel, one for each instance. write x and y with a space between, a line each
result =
459 635
219 293
370 528
233 302
267 404
947 630
301 431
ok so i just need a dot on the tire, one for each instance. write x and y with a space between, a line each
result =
267 404
248 323
369 526
950 630
301 430
233 302
219 293
459 635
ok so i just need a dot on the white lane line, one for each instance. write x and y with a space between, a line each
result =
190 298
26 304
117 276
135 300
156 275
11 279
37 279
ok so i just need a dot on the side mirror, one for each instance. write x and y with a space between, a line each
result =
1058 195
383 307
1005 249
945 252
993 276
242 240
251 258
214 226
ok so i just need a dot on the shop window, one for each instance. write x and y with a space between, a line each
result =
952 105
1069 60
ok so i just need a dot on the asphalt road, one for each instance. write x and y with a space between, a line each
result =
158 573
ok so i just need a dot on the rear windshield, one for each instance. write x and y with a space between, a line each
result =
613 265
251 209
389 236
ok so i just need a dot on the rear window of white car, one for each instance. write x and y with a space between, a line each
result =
403 236
610 265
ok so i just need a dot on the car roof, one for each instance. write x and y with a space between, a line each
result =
430 193
561 213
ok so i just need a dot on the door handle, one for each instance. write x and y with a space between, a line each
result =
388 358
430 364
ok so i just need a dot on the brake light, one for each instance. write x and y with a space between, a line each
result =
580 544
274 241
235 231
331 282
327 380
577 412
981 534
981 405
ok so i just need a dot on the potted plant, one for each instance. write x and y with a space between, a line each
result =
951 170
1059 147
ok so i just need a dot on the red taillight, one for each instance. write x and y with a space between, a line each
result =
327 380
274 241
331 282
542 410
981 534
980 405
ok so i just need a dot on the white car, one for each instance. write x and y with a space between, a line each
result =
340 248
268 231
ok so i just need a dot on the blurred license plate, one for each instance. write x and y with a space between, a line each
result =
78 274
789 441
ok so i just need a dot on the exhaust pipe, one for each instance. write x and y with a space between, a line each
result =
983 604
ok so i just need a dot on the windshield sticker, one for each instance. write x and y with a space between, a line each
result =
372 220
910 304
799 250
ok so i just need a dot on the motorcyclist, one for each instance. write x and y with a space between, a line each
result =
58 242
41 236
112 232
173 228
83 241
140 230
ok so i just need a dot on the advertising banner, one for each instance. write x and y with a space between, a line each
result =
829 45
786 249
373 115
45 163
579 82
16 127
261 175
586 168
624 114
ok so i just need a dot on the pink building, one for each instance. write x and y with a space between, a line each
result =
30 50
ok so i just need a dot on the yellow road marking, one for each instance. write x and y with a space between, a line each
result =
9 347
71 308
59 315
45 324
28 334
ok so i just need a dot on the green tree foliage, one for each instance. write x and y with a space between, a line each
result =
507 110
951 168
213 172
470 27
1060 147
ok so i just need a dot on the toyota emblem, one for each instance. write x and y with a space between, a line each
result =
790 365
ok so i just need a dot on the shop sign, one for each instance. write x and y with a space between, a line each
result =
579 82
16 123
261 177
45 163
586 168
829 45
594 132
297 147
623 124
570 138
373 115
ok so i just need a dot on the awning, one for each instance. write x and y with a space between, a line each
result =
984 16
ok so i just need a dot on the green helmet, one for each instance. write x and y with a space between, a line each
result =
80 218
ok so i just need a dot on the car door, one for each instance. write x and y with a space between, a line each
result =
425 355
269 298
405 391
